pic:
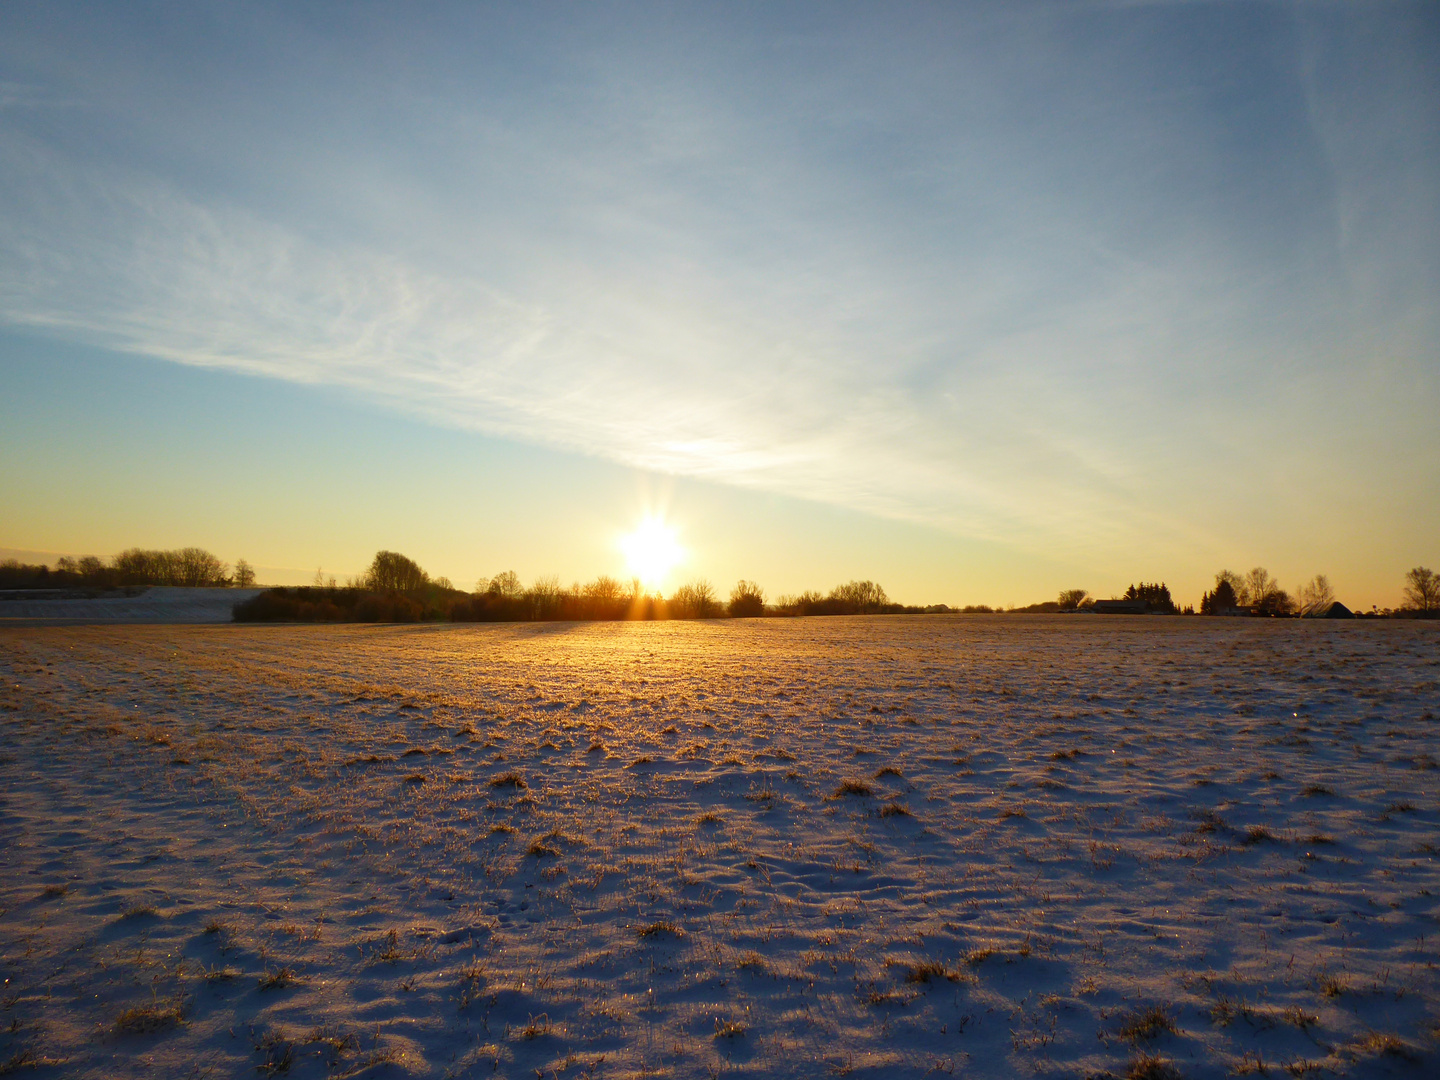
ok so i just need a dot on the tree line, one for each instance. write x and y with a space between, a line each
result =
396 589
1255 593
191 567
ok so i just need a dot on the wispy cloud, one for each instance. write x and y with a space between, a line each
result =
139 268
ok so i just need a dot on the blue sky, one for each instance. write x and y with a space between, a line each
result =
983 300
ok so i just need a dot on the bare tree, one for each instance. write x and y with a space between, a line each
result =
605 590
1071 599
244 574
1316 595
1422 590
695 600
544 597
505 585
861 595
1257 585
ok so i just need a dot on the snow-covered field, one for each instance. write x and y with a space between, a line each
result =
156 604
995 847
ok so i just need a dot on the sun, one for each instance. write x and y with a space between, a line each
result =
651 551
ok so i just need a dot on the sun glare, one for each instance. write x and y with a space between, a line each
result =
651 551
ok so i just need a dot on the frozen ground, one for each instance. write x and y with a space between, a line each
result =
1013 846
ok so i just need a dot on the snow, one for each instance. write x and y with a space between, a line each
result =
1091 846
156 604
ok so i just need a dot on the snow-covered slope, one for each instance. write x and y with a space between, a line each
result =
157 604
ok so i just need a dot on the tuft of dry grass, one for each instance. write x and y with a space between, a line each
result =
539 849
1316 791
25 1059
279 1055
1151 1067
751 961
510 779
853 787
51 891
889 770
1383 1043
659 929
929 971
146 1019
1224 1011
1258 834
728 1029
1146 1024
1211 822
277 979
538 1027
1300 1018
894 809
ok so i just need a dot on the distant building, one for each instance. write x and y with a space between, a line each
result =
1122 607
1332 610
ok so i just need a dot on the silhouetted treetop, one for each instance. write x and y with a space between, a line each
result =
747 600
393 572
1157 596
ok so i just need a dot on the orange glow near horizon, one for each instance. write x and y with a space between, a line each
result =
651 551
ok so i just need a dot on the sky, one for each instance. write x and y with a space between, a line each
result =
979 301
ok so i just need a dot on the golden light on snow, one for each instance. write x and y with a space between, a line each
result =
651 551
